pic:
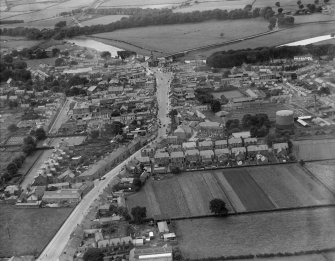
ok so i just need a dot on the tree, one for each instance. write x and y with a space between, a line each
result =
93 254
12 168
55 52
59 62
40 134
316 2
95 134
115 128
218 207
106 55
175 170
137 184
299 3
215 106
173 113
280 10
29 145
60 24
277 4
12 128
221 35
18 161
139 214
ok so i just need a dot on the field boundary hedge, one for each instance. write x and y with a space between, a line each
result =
248 212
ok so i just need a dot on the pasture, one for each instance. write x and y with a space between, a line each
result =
285 231
278 38
315 149
179 37
204 5
243 190
324 171
20 227
11 43
140 3
102 20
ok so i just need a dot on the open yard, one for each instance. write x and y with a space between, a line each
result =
28 231
315 149
285 231
228 94
243 189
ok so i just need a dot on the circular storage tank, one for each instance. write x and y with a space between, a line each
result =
284 119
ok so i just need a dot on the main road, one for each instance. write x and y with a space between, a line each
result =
56 246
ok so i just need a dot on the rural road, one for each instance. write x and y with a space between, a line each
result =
56 246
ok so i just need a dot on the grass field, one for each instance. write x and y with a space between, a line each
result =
16 42
325 172
103 20
315 149
236 4
140 3
28 231
173 38
282 37
286 231
243 189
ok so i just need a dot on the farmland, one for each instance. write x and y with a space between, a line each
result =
103 20
324 171
173 38
236 4
315 149
20 227
243 189
285 231
278 38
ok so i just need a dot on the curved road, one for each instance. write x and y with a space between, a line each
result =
55 247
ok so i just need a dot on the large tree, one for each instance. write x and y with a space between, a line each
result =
106 55
215 106
93 254
12 128
218 207
139 214
40 134
12 168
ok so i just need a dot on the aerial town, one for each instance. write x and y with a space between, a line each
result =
129 138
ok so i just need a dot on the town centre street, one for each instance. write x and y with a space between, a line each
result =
56 246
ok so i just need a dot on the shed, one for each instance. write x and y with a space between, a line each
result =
163 227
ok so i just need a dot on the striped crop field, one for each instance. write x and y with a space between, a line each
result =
243 189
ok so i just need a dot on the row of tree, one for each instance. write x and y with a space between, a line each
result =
142 17
231 58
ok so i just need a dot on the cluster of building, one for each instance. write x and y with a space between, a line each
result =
237 149
126 95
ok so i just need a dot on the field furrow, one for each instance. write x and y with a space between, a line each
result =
235 200
325 173
187 192
251 195
305 198
152 201
204 192
275 187
180 198
163 194
315 188
216 190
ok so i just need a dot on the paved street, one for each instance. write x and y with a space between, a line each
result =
163 86
58 243
61 117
